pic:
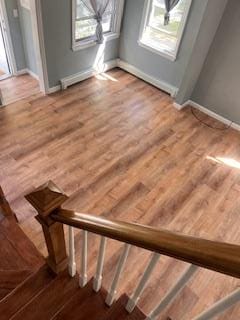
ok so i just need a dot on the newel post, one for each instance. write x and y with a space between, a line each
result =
46 200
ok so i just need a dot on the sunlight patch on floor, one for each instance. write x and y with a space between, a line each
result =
230 162
106 77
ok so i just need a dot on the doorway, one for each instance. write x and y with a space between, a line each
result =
6 63
33 76
4 60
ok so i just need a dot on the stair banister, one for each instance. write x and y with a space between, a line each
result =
117 276
72 266
217 256
132 302
212 255
98 277
83 272
46 200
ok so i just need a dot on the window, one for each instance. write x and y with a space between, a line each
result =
160 38
84 23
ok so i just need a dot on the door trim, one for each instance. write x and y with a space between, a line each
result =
8 39
38 35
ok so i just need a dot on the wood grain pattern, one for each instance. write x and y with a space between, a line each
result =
5 209
85 304
49 300
98 140
24 293
10 279
118 311
18 256
17 88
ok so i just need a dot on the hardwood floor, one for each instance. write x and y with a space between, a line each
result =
17 88
18 257
121 149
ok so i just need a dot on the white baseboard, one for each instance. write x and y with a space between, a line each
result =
208 112
34 75
80 76
54 89
21 72
180 106
26 71
155 82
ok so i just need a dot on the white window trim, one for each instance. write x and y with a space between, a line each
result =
114 34
164 53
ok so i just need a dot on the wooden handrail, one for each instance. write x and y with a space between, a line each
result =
216 256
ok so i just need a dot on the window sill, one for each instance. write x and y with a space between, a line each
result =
80 45
165 54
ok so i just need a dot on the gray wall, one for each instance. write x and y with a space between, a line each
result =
61 60
210 22
28 41
149 62
16 34
218 87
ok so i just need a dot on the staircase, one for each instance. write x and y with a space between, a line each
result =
31 288
45 296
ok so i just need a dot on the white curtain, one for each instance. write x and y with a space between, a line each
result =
169 5
97 8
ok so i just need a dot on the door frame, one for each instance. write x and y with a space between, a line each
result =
8 39
39 44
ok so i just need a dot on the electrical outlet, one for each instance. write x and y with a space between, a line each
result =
15 13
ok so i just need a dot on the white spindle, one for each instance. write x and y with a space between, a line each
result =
83 274
220 306
71 248
184 278
132 302
113 289
98 277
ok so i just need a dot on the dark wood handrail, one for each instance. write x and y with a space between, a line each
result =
216 256
48 199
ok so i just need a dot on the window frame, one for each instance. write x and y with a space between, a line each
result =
164 53
90 41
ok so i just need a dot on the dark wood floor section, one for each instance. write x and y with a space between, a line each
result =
18 257
119 146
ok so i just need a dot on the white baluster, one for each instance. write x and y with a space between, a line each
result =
98 277
113 289
71 259
220 306
83 274
132 302
181 282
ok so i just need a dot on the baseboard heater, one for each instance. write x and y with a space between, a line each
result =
77 77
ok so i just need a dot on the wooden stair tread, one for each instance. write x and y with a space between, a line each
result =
118 312
85 304
10 279
26 291
21 244
46 304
